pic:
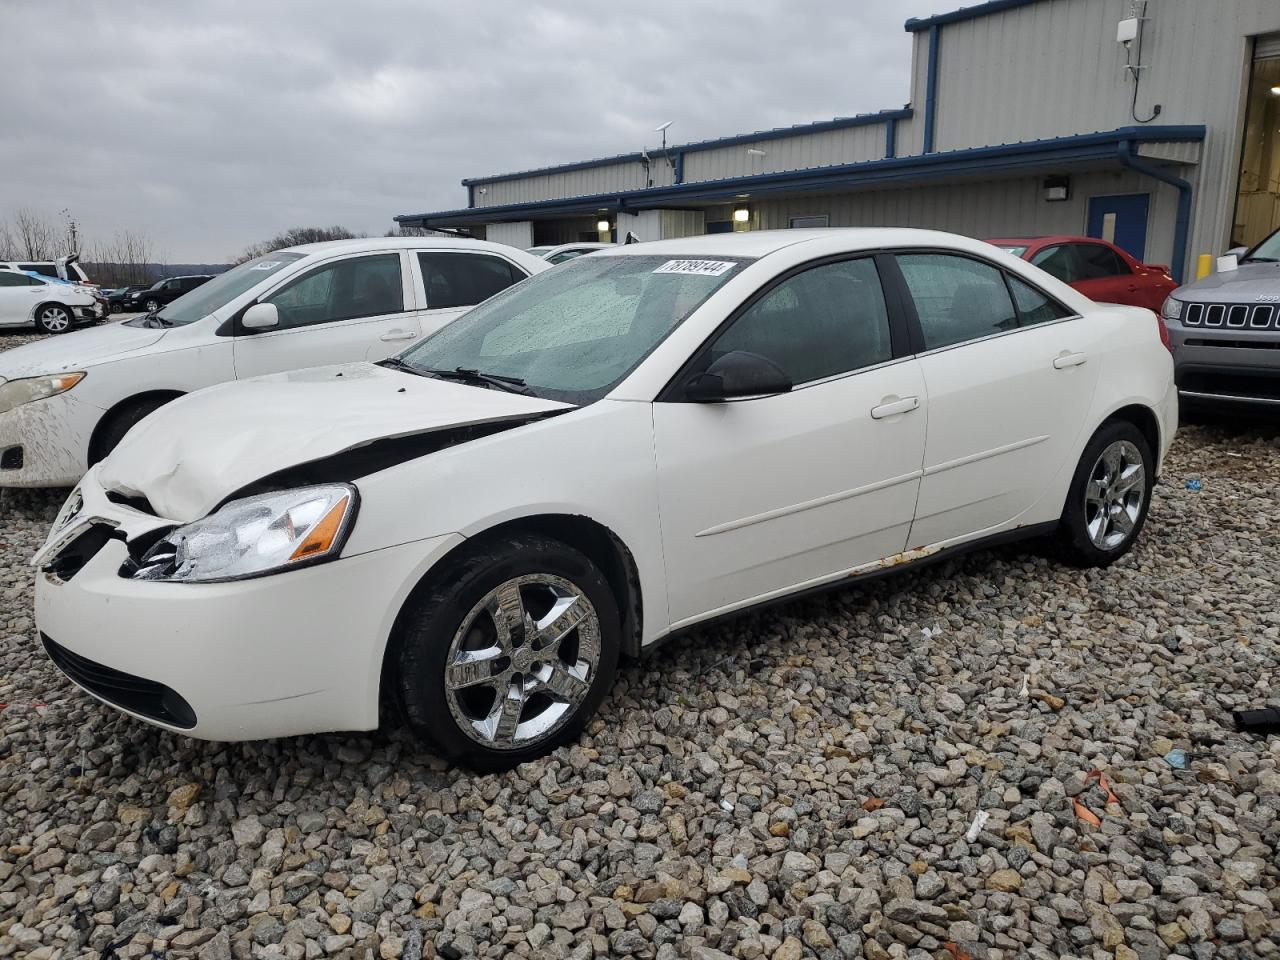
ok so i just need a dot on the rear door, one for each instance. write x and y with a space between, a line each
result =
765 495
1010 383
345 309
448 283
1104 276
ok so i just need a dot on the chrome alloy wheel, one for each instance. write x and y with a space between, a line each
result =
522 662
54 319
1114 496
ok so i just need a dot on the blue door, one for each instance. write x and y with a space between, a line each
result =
1122 220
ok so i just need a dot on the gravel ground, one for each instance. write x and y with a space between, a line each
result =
797 783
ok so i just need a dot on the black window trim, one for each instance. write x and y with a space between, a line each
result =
234 328
913 318
426 304
900 343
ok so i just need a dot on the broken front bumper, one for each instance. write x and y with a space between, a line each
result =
45 443
292 653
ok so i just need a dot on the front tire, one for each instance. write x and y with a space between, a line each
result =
53 318
112 431
1109 496
506 653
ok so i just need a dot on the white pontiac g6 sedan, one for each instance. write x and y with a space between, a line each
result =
66 402
628 445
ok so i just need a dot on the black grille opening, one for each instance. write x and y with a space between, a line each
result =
1234 344
72 558
11 459
145 697
1262 386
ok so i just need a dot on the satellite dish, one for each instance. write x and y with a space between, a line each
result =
663 128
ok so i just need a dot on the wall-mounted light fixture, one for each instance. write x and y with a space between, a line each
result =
741 214
602 226
1275 91
1057 188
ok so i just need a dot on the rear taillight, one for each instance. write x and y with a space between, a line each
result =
1164 333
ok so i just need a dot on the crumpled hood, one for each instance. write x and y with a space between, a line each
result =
189 455
76 350
1241 285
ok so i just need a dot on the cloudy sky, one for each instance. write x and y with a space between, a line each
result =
208 126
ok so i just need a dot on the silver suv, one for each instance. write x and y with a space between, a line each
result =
1225 331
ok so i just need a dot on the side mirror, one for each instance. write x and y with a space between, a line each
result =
735 375
261 316
1236 252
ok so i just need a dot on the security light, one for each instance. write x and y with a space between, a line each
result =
741 214
602 225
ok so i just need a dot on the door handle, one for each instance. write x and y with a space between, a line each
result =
1065 359
398 335
891 407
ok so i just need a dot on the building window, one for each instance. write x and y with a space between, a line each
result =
804 223
1258 197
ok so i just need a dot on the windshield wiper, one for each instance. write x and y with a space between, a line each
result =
154 320
472 375
1260 260
395 363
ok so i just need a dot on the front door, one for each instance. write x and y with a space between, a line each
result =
1009 383
1122 220
347 309
764 495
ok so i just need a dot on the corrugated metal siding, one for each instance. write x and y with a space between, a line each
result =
575 183
1054 68
1013 207
1173 151
849 145
518 234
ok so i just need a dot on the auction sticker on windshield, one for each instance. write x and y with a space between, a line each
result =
704 268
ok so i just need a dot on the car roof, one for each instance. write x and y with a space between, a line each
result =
1044 241
760 243
391 243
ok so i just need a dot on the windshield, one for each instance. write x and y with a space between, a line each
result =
1268 250
224 288
573 333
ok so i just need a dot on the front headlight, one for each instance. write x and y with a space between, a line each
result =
1172 309
255 536
15 393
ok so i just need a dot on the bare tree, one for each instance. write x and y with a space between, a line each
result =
125 259
8 242
294 236
35 234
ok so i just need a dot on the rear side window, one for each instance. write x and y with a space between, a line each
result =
956 299
1097 261
44 269
344 290
1033 306
17 280
828 320
1059 262
464 279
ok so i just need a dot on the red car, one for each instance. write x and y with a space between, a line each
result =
1100 270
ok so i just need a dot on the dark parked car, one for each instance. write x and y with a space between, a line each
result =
118 297
163 291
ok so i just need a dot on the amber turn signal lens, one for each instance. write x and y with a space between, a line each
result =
322 535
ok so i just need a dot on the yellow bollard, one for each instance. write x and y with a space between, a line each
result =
1204 265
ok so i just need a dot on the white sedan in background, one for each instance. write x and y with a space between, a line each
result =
47 303
66 403
621 448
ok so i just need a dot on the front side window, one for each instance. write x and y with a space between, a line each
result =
342 290
1098 262
956 298
464 279
828 320
573 333
1059 262
16 280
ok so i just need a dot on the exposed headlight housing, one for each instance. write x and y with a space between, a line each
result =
14 393
1172 309
255 536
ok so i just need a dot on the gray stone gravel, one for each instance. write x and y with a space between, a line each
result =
793 784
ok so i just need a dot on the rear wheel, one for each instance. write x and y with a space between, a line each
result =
120 422
507 653
1109 496
53 318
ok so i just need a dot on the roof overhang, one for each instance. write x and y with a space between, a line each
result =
972 163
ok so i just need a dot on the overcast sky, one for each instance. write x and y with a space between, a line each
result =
211 125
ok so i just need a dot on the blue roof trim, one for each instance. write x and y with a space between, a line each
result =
915 25
777 133
1009 156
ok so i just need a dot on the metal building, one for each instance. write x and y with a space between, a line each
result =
1155 124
